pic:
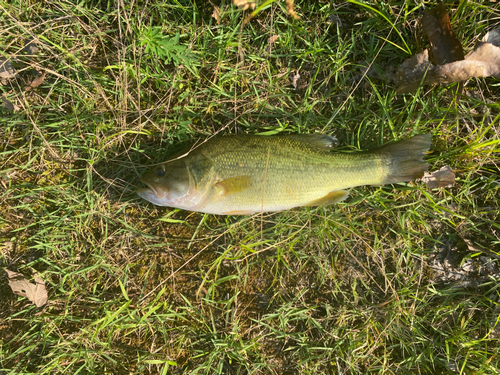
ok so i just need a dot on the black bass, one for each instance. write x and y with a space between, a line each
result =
245 174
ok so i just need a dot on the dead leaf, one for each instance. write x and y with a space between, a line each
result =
36 292
483 61
437 179
7 104
30 48
245 4
36 82
272 39
492 37
7 247
295 80
290 10
216 14
445 46
7 71
333 18
480 249
412 71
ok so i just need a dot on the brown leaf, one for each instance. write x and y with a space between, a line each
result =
333 18
216 14
290 10
30 48
442 178
480 249
272 39
445 47
493 37
484 61
245 4
7 70
36 292
36 82
295 80
6 103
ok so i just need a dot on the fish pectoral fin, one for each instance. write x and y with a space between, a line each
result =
234 184
331 198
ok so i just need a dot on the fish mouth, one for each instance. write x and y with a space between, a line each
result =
156 190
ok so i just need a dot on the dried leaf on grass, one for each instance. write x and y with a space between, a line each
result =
216 14
484 61
7 104
35 292
445 63
441 178
272 39
31 47
480 249
445 46
245 4
295 80
333 18
290 10
7 71
36 82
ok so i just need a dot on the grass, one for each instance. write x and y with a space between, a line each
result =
381 283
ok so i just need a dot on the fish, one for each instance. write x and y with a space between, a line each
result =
247 174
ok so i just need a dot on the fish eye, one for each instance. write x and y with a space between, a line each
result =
161 172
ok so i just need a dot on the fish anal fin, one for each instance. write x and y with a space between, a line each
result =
331 198
234 184
238 212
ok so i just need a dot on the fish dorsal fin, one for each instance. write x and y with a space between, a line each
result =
324 142
331 198
234 184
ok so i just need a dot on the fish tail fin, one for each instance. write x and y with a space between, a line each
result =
407 158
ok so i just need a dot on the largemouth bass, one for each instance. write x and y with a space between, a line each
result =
245 174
